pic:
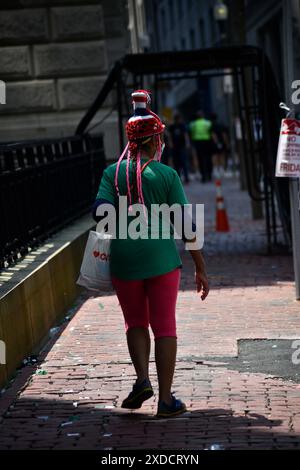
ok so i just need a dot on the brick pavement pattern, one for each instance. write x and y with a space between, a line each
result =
76 404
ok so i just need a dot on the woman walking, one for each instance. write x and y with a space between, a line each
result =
146 271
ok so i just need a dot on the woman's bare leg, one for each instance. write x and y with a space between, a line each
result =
165 358
139 345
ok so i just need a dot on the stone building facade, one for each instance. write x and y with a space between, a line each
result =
54 58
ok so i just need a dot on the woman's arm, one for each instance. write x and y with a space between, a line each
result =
200 274
95 206
177 195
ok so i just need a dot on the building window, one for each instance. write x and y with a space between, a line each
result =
213 36
163 22
202 41
171 13
179 9
189 7
192 39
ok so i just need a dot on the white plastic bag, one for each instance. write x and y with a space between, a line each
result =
95 267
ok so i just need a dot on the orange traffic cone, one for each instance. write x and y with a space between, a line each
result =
222 224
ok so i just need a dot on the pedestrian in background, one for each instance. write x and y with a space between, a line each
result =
166 156
179 145
145 272
220 145
201 136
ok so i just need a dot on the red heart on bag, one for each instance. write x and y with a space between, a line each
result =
96 253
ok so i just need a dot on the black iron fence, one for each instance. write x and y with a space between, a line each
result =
44 185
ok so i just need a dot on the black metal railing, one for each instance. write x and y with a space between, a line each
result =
44 185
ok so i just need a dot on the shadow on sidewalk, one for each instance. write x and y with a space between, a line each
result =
56 424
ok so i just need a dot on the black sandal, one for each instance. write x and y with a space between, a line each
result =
139 393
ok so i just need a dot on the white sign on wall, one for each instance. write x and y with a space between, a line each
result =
228 82
2 92
288 154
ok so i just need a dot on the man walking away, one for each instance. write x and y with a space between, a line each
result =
201 135
179 143
220 145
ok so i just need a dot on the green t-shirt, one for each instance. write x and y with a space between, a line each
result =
143 258
201 129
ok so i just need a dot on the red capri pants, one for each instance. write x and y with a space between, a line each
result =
150 301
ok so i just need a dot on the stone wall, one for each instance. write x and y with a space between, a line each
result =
54 58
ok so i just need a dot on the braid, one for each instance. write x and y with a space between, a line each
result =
135 147
134 181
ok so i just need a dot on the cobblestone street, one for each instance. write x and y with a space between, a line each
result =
76 403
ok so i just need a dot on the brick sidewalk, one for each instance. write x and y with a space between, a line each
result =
76 405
